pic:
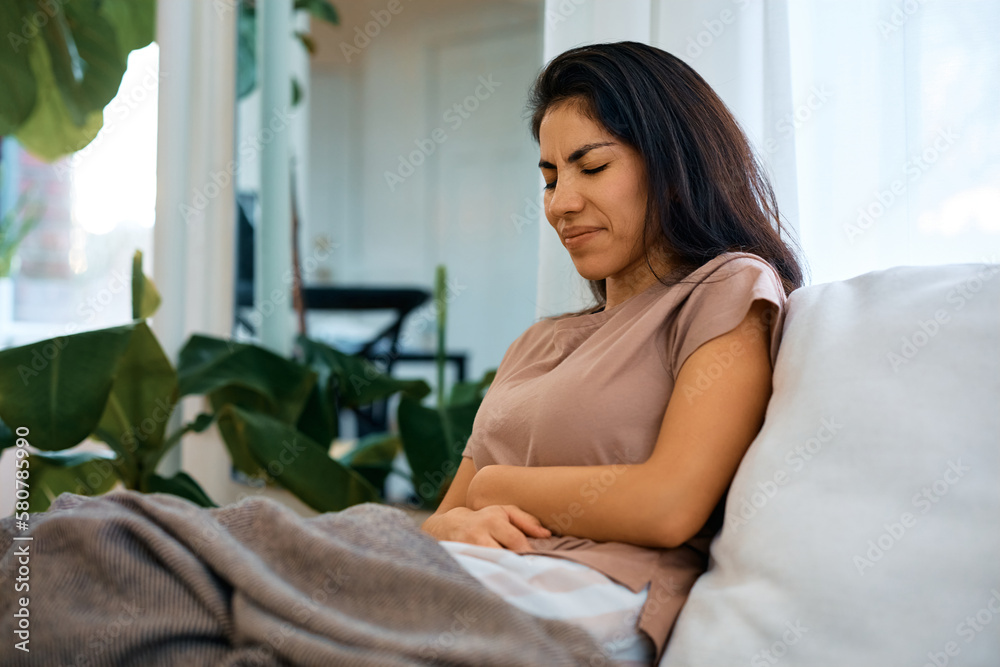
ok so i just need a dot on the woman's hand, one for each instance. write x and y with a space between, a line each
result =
496 526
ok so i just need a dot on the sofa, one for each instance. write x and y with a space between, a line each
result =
862 527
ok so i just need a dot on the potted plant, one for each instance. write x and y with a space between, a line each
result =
277 416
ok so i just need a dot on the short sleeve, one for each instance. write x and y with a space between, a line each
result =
718 305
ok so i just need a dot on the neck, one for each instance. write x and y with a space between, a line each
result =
632 281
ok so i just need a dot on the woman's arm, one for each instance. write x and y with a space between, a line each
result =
664 501
504 526
456 494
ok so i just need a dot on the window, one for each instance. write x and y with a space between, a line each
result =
897 133
97 206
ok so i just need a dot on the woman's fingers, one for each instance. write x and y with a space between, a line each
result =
501 527
491 543
502 536
526 522
511 537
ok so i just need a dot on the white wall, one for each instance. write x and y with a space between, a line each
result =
458 205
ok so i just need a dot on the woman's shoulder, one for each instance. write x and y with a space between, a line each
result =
745 265
720 300
734 261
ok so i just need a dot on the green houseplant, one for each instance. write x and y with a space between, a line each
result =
434 437
246 41
114 384
62 63
277 416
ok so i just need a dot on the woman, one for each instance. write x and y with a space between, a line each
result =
610 436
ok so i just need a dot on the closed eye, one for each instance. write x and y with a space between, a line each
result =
595 170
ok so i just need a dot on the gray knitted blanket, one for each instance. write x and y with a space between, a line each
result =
151 579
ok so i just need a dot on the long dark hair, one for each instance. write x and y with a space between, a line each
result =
707 192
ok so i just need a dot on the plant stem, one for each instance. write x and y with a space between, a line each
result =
297 297
442 314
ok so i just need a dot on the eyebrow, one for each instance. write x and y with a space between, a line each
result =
576 155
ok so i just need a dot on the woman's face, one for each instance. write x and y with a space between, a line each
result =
595 194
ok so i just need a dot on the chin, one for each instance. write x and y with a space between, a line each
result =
590 272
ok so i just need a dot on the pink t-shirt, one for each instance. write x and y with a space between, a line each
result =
592 390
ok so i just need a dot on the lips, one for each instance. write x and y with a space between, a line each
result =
578 236
578 231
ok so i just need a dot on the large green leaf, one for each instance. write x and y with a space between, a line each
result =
241 397
17 81
134 22
356 379
181 485
141 401
322 413
58 388
86 62
319 420
246 51
234 435
145 296
432 458
344 381
82 473
300 466
245 375
321 9
65 63
373 456
426 448
49 132
472 391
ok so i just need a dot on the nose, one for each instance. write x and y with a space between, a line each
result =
564 200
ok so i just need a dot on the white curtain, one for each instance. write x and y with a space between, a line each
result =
195 206
901 162
878 120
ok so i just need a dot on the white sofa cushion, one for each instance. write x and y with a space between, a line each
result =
863 525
